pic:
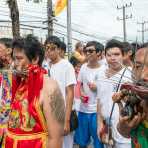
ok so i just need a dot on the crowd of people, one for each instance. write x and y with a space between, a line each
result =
48 101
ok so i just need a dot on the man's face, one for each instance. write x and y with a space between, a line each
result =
77 68
141 72
20 60
114 58
80 48
91 54
52 51
144 75
140 69
3 51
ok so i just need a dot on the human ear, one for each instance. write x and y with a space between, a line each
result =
35 60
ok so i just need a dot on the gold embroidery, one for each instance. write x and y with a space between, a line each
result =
27 136
40 114
22 118
14 119
18 137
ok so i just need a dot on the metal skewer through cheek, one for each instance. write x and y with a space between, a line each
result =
13 71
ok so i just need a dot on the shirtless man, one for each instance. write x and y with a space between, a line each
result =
37 108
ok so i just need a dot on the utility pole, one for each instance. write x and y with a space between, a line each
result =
143 30
124 18
14 14
69 30
50 17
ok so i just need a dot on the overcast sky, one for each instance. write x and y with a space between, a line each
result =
98 18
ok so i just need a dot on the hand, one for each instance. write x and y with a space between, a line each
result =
127 123
99 129
66 128
92 86
117 97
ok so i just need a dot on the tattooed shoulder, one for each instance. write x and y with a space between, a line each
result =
56 101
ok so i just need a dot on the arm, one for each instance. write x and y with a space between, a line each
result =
99 118
125 124
69 103
54 112
80 57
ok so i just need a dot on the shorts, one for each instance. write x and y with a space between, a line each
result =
86 130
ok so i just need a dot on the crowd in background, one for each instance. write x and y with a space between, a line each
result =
83 84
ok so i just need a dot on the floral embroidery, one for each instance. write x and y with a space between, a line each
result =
5 100
14 120
22 118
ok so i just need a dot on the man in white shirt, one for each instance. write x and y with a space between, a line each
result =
109 80
87 117
63 72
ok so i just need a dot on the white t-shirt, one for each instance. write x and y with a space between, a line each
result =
63 73
105 89
103 62
86 76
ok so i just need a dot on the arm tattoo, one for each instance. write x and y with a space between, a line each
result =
58 106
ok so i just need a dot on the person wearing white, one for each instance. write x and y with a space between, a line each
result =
108 83
88 75
63 72
87 116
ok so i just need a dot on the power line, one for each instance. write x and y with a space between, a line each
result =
35 21
25 14
56 31
26 9
124 18
143 30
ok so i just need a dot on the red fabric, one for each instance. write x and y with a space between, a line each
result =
28 90
77 90
37 143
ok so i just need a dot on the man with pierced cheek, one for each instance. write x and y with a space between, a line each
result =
137 127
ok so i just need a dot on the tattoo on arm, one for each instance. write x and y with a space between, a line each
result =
58 106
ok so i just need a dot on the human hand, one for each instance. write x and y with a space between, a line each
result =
99 129
127 123
92 86
116 97
66 128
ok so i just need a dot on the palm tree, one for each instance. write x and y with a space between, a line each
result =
14 14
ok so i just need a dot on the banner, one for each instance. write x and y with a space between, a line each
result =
59 6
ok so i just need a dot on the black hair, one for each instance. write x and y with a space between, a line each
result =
98 46
144 45
53 39
63 46
6 41
114 43
136 46
74 61
78 44
31 47
128 47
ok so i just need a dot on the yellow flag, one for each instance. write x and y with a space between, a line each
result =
59 6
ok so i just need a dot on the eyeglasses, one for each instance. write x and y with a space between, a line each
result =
89 50
50 47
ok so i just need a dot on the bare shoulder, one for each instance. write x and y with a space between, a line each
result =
50 85
53 99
